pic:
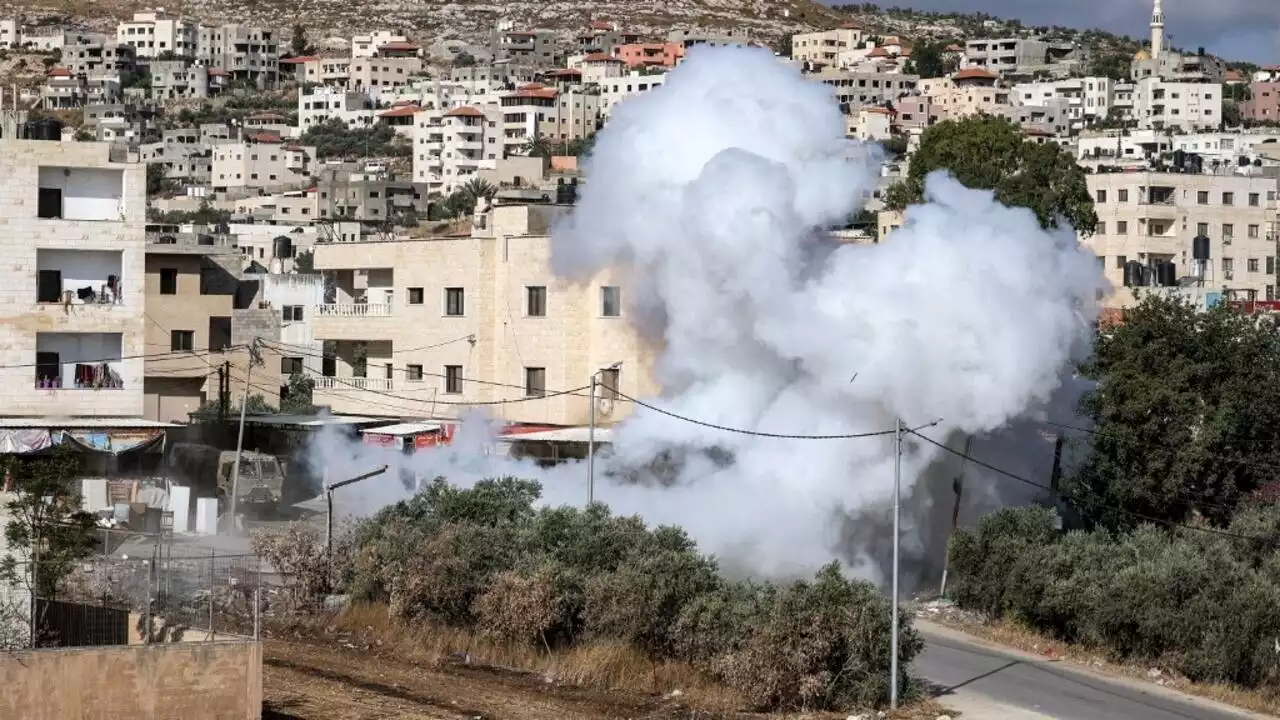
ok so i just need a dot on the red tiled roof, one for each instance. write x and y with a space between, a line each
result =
878 52
402 111
954 48
973 74
877 110
564 72
601 57
538 93
217 71
264 137
851 26
299 59
601 25
59 72
464 112
402 103
398 45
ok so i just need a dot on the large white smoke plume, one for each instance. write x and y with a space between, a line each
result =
711 195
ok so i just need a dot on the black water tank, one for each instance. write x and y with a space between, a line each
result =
30 129
1179 159
48 129
566 193
282 247
1133 274
1166 274
1148 276
1200 247
1242 161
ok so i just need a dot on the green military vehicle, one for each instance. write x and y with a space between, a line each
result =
209 472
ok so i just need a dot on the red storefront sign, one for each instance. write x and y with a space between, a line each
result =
443 436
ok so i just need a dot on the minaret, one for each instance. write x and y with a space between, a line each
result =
1157 30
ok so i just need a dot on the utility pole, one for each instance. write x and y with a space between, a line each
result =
591 445
224 382
255 358
957 485
897 540
328 518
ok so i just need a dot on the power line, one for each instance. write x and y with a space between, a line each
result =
758 433
1168 445
1058 495
172 355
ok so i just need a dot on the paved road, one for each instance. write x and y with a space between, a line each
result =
984 682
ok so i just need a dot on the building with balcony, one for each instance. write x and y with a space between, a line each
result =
642 55
243 52
155 35
971 91
1153 217
1263 104
1087 98
616 89
1005 55
72 293
262 160
1184 106
824 47
449 149
414 327
855 88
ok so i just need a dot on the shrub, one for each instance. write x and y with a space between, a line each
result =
1204 605
298 552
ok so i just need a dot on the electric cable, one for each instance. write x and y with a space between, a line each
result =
1058 495
172 355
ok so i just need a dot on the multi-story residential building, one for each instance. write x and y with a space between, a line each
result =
1186 106
180 78
1085 97
615 90
75 312
466 140
1005 55
368 45
382 71
599 68
316 70
1121 148
1263 104
642 55
246 53
824 47
417 327
604 37
855 88
1152 217
534 111
317 104
1049 119
915 113
529 47
295 297
971 91
191 284
358 197
156 35
734 37
1227 148
261 161
10 33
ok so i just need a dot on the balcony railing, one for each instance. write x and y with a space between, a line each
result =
354 310
326 382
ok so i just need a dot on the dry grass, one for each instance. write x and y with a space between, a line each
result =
1016 635
606 666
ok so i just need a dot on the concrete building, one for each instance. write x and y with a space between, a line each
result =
371 74
1005 55
854 88
295 296
246 53
1263 104
473 318
1152 217
535 111
824 47
1171 66
364 46
642 55
535 48
1087 98
261 161
156 35
318 103
363 198
616 89
1184 106
968 92
605 37
1227 148
1121 148
73 294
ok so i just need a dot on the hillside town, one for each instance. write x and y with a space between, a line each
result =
238 226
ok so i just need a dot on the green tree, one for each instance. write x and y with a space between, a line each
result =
1230 114
47 523
156 180
538 147
991 153
297 395
305 262
929 60
208 410
84 134
464 59
1114 65
1186 413
298 44
333 138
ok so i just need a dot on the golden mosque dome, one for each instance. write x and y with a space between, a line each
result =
1142 55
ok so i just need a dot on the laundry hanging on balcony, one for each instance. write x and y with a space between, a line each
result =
24 440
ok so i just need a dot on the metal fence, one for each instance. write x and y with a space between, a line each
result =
155 591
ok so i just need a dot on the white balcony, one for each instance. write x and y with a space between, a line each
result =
341 384
354 310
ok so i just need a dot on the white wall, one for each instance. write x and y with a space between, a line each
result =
307 291
73 348
81 268
87 193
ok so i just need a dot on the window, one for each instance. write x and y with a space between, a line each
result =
609 379
1228 198
1122 196
535 301
1253 199
1102 196
1228 231
1228 264
1271 265
611 301
182 340
1271 292
1252 231
1202 197
290 365
1100 228
1202 229
453 379
292 313
168 281
535 382
1253 265
453 302
48 286
416 296
413 373
1120 261
1122 227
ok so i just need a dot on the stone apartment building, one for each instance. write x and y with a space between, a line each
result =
971 91
157 35
246 53
824 47
1263 104
535 111
855 88
449 149
1153 217
73 293
261 161
472 318
1184 106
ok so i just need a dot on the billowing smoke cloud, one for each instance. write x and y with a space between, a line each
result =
711 195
